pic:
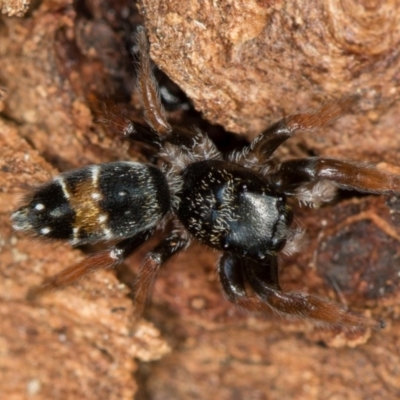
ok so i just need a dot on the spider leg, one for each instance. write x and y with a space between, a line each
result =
293 174
153 110
114 120
154 113
159 132
230 271
152 264
103 260
118 122
192 140
300 305
264 145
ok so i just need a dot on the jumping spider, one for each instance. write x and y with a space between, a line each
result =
235 204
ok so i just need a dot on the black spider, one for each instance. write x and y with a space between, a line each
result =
236 205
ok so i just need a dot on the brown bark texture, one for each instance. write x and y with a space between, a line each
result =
243 64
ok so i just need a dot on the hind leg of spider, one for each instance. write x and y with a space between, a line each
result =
233 282
149 269
299 305
264 145
104 260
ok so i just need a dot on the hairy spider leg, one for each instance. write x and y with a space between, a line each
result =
233 282
362 177
158 132
92 263
118 124
152 264
261 149
112 115
153 110
262 275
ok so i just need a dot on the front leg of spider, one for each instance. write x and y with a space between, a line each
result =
321 311
264 145
262 277
295 174
233 281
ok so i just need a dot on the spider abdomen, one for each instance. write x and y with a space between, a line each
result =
99 202
231 208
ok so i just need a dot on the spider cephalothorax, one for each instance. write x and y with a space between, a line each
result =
236 204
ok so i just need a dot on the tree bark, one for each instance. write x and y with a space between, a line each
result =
243 64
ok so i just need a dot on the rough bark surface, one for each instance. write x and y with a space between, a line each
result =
244 64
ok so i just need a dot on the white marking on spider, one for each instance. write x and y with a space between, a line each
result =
45 231
61 182
39 207
107 233
96 196
95 175
102 218
75 235
116 254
